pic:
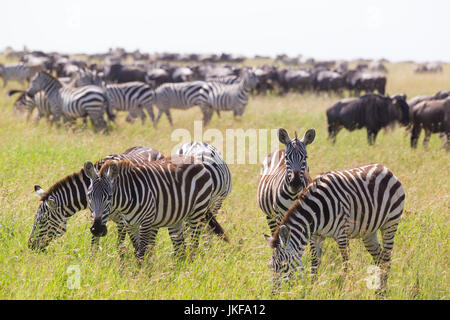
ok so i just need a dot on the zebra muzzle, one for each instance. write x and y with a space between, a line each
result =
98 229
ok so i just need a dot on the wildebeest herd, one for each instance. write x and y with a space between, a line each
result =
60 87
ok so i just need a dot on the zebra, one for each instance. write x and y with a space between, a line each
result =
180 95
284 174
163 193
28 104
220 96
345 204
220 173
69 196
72 103
132 97
19 72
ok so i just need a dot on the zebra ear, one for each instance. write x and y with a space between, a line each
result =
113 171
283 136
90 170
309 136
285 235
39 191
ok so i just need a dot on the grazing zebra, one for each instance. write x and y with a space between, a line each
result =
26 103
164 193
18 72
132 97
69 195
72 103
284 174
220 96
220 174
182 95
344 204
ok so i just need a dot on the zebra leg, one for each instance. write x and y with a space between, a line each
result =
121 234
372 246
176 234
95 243
169 117
147 236
388 234
316 251
207 113
343 245
155 122
149 109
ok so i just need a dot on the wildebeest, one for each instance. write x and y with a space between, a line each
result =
120 74
438 96
433 116
372 111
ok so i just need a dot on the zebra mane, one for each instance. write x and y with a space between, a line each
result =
61 183
121 164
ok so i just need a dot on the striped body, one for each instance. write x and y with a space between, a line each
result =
163 193
344 204
182 95
132 97
18 72
284 174
220 96
217 167
72 103
69 196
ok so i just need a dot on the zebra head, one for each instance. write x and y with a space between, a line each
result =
100 194
285 259
41 81
49 222
295 158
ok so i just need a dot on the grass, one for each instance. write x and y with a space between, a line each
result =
31 154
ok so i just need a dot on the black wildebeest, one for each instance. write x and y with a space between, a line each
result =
372 111
433 116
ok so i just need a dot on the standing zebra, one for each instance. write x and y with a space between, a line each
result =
27 103
164 193
18 72
182 95
69 196
220 96
345 204
132 97
72 103
284 174
220 174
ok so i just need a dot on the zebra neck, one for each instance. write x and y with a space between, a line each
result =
70 193
304 223
53 91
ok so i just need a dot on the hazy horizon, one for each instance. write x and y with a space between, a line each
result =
394 30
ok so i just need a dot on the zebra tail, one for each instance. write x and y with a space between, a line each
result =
12 92
215 227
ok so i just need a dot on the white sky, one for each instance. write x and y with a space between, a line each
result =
394 29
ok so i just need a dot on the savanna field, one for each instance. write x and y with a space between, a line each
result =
39 154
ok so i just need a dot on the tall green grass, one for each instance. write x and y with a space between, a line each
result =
31 154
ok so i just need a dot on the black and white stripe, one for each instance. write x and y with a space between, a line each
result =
344 204
25 103
164 193
18 72
72 103
220 173
284 174
133 97
69 196
182 95
221 96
